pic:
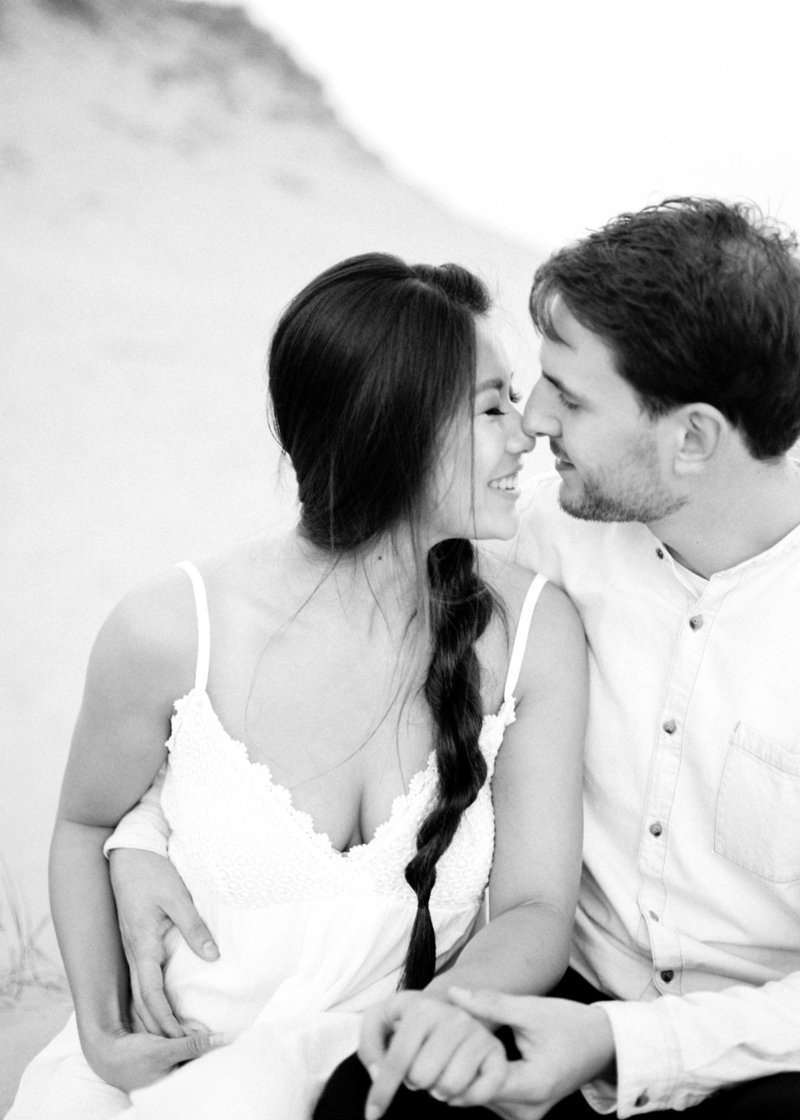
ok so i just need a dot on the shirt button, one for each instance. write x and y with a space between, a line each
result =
667 975
642 1099
660 553
695 622
656 828
670 726
653 915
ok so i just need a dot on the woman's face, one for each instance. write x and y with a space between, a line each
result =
475 485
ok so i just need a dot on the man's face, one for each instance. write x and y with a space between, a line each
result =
607 449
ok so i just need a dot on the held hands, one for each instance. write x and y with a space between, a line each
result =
562 1045
429 1043
424 1041
151 897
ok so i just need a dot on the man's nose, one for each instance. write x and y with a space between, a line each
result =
538 419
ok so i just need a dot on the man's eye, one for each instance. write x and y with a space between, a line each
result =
514 396
567 403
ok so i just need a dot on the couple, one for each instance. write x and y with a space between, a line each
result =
670 393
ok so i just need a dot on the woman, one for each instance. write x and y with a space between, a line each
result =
337 699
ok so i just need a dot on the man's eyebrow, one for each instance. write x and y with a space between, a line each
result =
562 388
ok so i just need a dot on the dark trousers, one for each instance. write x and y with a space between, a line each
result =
769 1098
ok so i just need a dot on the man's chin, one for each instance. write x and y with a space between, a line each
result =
593 513
591 507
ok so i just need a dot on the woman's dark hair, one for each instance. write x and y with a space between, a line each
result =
699 300
368 365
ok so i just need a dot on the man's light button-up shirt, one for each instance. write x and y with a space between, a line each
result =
694 727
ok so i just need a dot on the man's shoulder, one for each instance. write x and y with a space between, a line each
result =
541 512
558 544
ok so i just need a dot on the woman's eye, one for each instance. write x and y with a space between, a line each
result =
500 409
567 403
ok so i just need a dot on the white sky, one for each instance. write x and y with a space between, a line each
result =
546 118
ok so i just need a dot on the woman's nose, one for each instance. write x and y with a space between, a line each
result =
519 442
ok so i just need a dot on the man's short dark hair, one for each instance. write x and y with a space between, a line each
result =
699 300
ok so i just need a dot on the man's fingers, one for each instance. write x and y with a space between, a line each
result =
194 930
158 1007
142 1019
152 1004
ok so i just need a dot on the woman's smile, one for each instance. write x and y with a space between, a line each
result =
509 483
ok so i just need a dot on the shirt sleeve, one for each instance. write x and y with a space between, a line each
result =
675 1051
145 826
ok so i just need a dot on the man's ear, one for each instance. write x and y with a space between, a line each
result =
701 432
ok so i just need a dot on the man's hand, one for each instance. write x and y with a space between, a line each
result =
423 1040
131 1061
151 897
563 1045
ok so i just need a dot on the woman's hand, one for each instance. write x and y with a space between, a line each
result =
424 1041
131 1061
151 897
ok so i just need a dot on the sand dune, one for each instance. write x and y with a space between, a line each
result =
168 178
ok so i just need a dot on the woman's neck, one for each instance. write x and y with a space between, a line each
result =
381 580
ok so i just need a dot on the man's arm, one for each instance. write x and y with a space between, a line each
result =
675 1051
562 1044
151 897
666 1054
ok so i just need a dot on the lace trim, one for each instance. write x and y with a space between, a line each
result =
237 831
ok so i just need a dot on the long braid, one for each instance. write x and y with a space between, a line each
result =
461 607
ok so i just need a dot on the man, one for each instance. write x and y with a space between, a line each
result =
670 394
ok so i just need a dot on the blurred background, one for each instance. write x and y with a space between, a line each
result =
171 173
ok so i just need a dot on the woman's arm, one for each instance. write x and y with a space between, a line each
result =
533 888
135 670
537 796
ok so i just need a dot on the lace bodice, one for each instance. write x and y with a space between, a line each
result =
236 833
239 832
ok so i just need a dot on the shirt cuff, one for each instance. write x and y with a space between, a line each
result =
647 1058
145 827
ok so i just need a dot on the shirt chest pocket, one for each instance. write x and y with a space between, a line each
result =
757 824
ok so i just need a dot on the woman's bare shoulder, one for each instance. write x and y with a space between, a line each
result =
511 581
149 639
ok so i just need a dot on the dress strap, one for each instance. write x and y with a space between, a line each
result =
521 636
203 624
